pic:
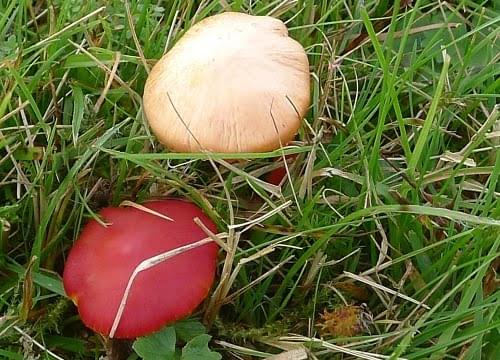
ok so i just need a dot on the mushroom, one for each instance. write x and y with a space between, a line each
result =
277 175
233 83
103 271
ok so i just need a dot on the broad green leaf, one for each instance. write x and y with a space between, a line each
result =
188 329
197 349
160 345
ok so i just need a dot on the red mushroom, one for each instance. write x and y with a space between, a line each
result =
277 175
102 273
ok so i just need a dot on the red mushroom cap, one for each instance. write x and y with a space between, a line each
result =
103 259
277 175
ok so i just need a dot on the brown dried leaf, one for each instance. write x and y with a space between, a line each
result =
491 282
357 292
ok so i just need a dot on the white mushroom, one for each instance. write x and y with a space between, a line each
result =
232 83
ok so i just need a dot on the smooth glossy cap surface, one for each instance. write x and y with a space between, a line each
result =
232 83
103 258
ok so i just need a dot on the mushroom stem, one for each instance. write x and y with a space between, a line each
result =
145 265
117 349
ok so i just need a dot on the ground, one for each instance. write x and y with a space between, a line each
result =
382 240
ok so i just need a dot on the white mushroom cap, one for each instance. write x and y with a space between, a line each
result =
232 83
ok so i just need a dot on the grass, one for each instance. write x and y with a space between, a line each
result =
392 199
